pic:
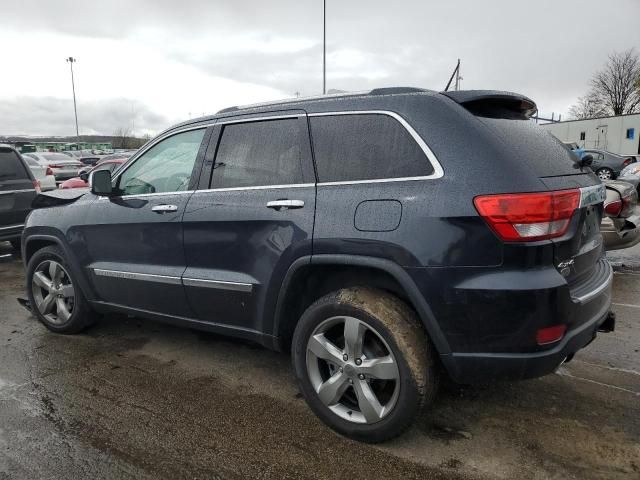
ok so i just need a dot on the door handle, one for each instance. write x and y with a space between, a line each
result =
164 208
285 204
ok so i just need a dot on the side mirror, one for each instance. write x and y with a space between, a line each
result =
586 160
100 182
84 175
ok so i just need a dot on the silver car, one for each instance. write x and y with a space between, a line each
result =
607 165
44 175
62 166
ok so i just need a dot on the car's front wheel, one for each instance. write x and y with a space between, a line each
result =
363 363
605 173
54 295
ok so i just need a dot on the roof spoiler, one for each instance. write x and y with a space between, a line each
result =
493 103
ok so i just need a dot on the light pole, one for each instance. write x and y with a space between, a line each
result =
71 61
324 47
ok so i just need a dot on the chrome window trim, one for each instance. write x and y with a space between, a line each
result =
9 192
258 187
157 194
171 280
438 171
218 284
9 227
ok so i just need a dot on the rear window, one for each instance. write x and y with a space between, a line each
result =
365 147
11 168
57 157
544 154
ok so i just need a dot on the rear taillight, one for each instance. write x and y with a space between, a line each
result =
613 209
48 171
524 217
36 185
628 161
55 165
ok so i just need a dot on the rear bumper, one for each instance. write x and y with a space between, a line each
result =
616 240
477 368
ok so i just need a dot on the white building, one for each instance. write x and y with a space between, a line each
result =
615 134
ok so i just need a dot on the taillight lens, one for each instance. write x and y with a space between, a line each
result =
48 171
613 209
36 185
628 161
524 217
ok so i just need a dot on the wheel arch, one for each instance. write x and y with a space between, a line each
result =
324 273
35 242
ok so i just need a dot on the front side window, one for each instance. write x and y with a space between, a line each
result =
165 167
263 153
365 147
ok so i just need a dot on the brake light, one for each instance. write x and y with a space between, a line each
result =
48 171
55 165
524 217
613 209
548 335
36 185
628 161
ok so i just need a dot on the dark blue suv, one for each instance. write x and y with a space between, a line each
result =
384 238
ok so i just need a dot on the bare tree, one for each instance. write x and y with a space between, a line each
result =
616 85
122 138
589 106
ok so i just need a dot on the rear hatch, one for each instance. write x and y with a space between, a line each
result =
579 251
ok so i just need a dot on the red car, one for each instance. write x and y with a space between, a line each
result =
81 180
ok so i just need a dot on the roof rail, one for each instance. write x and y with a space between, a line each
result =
395 90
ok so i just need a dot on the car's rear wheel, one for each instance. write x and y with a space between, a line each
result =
604 173
363 363
54 295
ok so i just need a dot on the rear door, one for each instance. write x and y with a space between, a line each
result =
254 218
133 240
16 193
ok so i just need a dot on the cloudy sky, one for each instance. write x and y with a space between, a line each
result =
146 64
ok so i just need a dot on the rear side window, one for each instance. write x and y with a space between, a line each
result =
270 152
365 147
11 168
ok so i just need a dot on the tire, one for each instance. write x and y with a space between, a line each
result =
392 332
67 310
605 173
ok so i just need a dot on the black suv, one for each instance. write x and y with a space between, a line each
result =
367 233
18 188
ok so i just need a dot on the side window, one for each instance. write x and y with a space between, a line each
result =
262 153
106 166
165 167
11 168
365 147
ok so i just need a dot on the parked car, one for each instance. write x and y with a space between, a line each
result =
631 174
118 156
18 188
81 181
620 226
607 165
363 232
62 166
43 175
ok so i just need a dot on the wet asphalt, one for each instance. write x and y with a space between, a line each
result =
136 399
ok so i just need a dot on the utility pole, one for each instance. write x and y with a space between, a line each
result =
458 77
324 47
71 61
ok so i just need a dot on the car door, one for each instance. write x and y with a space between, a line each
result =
133 239
242 233
17 191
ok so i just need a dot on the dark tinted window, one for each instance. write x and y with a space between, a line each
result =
271 152
365 147
11 168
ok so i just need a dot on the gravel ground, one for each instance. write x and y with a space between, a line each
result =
135 399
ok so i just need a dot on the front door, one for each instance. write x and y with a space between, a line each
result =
135 254
257 217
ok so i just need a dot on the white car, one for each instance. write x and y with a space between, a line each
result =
62 166
43 175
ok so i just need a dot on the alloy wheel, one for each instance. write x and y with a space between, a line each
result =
53 292
353 370
604 174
